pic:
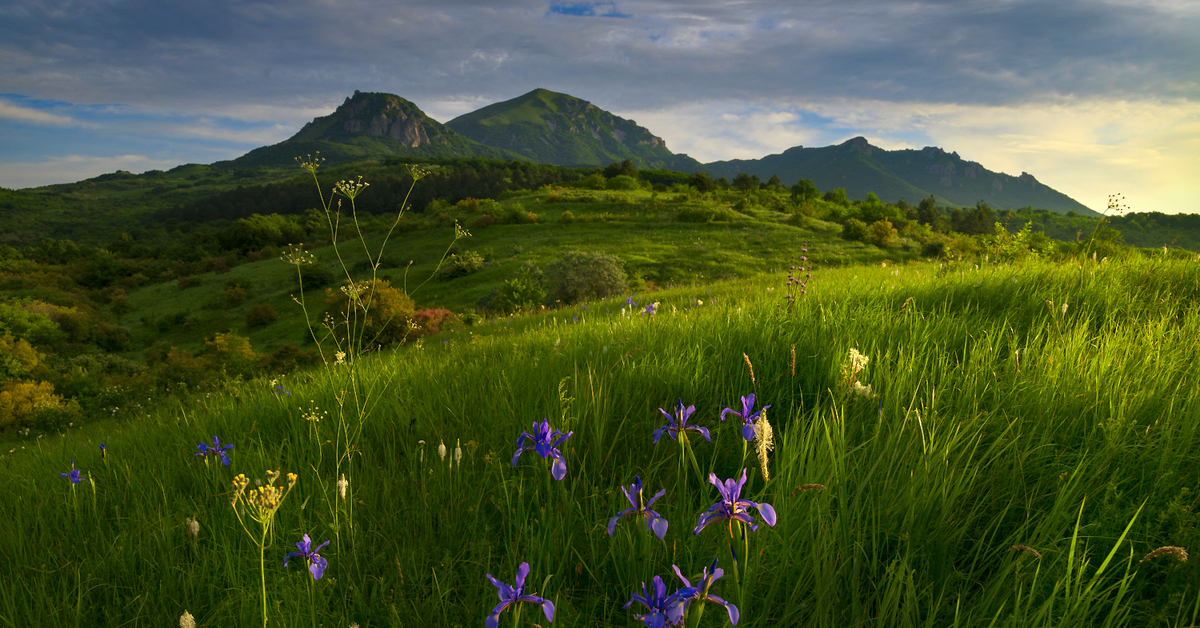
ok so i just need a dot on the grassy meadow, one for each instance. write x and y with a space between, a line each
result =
1054 407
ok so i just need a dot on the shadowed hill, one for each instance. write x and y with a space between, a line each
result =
861 168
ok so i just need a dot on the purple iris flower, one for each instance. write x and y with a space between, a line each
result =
515 595
545 444
316 562
675 426
214 450
747 415
630 302
103 451
73 474
700 592
641 507
665 610
651 309
732 507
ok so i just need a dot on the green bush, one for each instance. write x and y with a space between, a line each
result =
854 229
567 217
622 182
485 220
881 233
261 314
578 276
524 291
459 266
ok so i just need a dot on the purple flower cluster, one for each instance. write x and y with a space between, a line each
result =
747 415
216 449
515 594
669 610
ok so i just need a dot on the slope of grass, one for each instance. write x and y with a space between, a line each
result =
999 418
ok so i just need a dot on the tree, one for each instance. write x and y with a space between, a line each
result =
927 213
805 190
774 182
837 197
624 168
745 182
703 182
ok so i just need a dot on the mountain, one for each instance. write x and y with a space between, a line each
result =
370 126
861 168
554 128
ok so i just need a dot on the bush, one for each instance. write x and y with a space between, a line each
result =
579 276
315 276
594 182
485 220
187 281
622 182
524 291
260 315
705 214
288 357
21 401
428 322
459 266
234 295
881 233
374 313
567 217
854 229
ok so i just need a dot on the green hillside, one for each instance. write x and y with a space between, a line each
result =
370 126
554 128
861 168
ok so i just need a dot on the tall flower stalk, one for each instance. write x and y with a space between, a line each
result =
260 504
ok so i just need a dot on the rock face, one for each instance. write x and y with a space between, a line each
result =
375 115
372 126
555 128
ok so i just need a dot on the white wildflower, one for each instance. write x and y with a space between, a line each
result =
341 357
441 449
858 361
193 527
186 620
863 391
342 486
457 453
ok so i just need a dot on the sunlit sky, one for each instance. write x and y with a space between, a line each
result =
1091 97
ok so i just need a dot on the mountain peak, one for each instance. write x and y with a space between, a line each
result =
557 128
374 114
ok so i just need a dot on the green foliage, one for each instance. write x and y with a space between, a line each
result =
594 182
261 315
566 217
855 229
837 196
368 314
881 233
580 276
622 182
706 214
32 321
459 266
524 291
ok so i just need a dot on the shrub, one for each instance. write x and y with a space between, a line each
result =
315 276
705 214
468 204
288 357
622 182
20 401
578 276
567 217
854 229
485 220
375 313
17 357
881 233
187 281
260 315
234 295
427 322
459 266
524 291
594 182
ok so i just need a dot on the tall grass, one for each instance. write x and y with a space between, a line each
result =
999 419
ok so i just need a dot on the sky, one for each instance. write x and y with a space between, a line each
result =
1091 97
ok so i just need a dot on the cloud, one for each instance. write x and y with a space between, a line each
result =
10 111
73 168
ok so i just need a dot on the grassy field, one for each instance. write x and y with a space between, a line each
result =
1051 407
632 225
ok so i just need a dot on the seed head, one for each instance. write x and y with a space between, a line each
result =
1178 552
193 527
441 449
186 620
342 486
457 453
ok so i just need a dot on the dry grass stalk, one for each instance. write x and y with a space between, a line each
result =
1027 550
792 362
751 367
807 487
1177 552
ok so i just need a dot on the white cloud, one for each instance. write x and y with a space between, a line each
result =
9 111
74 168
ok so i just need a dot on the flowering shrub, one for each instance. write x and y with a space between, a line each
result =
459 266
432 321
